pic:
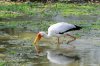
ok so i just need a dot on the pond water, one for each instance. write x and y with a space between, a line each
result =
18 50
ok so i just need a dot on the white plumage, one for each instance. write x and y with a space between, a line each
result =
59 58
57 30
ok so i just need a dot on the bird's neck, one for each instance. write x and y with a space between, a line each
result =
46 35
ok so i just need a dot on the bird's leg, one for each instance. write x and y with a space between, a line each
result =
58 45
74 38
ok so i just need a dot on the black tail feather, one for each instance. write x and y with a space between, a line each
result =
72 29
77 27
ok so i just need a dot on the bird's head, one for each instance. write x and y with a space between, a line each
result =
39 36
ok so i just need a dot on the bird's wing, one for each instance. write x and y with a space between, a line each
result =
60 28
63 28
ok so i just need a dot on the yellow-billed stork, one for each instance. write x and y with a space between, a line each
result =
57 30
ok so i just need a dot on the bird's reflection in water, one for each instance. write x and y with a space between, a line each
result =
88 56
59 59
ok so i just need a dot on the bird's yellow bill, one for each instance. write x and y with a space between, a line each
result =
38 37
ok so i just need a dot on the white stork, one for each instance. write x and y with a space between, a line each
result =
56 30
